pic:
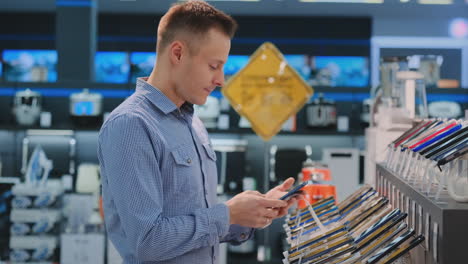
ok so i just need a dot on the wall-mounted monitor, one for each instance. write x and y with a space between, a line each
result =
341 71
141 64
111 67
333 71
301 63
234 64
30 65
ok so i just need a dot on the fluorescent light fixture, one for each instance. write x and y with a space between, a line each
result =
344 1
435 2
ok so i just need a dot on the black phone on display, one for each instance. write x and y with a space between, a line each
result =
294 191
456 153
447 140
390 247
448 151
447 145
404 249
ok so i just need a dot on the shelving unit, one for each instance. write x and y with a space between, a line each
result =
443 222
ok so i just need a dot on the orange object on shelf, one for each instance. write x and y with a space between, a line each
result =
101 208
316 192
316 174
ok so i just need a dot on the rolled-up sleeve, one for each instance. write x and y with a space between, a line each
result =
132 182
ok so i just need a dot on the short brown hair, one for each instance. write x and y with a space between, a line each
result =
195 18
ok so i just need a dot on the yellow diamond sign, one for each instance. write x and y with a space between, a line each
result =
267 91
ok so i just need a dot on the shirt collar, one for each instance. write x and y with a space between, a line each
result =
159 99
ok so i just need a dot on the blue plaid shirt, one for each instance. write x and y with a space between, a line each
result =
159 183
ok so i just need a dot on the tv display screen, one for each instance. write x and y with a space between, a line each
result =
234 64
30 65
141 64
111 67
341 71
300 63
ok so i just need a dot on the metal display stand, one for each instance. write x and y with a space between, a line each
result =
443 222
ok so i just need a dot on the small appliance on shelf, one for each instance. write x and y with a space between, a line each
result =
321 112
27 107
86 107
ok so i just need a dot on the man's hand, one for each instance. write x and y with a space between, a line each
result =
281 190
253 209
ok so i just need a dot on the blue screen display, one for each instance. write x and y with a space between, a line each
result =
342 71
141 64
83 108
234 64
30 65
333 71
300 63
111 67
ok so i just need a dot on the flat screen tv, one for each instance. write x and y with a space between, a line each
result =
141 64
111 67
342 71
30 65
333 71
234 64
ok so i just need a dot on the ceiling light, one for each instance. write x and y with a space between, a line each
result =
435 2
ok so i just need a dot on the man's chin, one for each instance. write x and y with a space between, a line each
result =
199 101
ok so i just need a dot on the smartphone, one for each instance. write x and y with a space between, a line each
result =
294 191
446 146
462 150
438 138
446 141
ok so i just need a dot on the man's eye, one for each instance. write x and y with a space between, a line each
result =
213 67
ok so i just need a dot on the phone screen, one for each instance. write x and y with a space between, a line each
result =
294 191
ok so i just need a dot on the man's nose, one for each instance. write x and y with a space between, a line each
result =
219 79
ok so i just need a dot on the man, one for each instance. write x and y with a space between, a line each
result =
158 167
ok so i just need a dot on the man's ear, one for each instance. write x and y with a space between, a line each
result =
176 50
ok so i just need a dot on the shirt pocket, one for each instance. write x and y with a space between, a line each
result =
210 167
186 171
209 151
184 156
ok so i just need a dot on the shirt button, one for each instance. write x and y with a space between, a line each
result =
243 235
206 193
189 161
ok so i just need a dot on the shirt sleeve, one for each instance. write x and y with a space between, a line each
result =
132 180
238 234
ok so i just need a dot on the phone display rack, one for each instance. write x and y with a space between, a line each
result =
442 220
363 228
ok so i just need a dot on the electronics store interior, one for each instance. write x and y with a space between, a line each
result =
364 103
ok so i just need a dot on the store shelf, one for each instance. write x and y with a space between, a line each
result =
302 131
444 222
237 131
